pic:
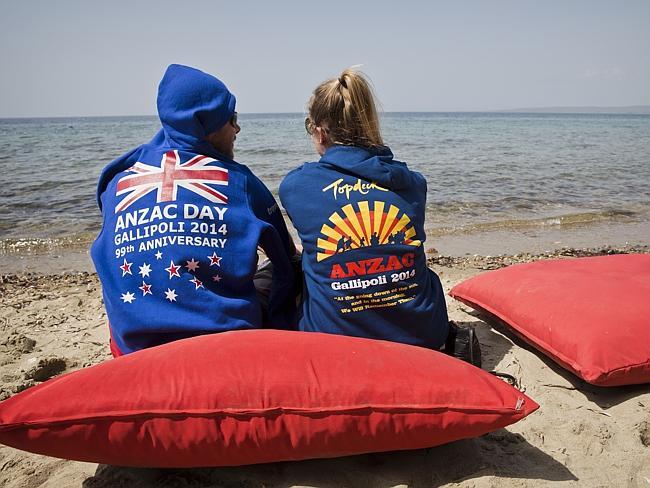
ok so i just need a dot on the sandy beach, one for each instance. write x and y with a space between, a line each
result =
581 436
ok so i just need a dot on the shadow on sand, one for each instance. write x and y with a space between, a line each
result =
497 346
499 453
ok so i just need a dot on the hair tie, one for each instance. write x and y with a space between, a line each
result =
342 82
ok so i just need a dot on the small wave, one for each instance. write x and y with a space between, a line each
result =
561 221
581 145
457 140
450 207
28 246
74 147
266 151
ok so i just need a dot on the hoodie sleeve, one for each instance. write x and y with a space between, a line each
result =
286 191
421 185
279 248
265 208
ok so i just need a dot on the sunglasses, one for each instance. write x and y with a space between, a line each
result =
309 126
233 119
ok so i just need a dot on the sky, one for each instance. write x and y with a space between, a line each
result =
90 58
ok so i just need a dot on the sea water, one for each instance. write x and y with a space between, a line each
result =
497 182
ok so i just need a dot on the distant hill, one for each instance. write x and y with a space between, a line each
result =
632 109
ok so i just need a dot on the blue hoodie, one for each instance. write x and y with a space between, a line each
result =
181 225
360 216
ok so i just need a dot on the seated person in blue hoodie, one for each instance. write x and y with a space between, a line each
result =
182 222
360 216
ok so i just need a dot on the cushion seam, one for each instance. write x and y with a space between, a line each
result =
251 413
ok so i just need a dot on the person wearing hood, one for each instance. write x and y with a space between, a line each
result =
360 216
182 222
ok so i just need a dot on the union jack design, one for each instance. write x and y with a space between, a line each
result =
194 175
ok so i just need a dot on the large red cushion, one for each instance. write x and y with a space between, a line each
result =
258 396
591 315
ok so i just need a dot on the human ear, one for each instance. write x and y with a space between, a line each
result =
321 136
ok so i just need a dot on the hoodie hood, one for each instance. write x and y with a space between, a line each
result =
371 164
191 105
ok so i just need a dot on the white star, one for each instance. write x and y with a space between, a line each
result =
145 269
158 254
128 297
192 265
170 295
216 278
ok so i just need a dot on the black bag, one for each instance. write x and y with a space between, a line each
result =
463 344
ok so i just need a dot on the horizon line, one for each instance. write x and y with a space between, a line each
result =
586 109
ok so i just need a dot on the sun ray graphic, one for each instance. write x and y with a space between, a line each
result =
369 224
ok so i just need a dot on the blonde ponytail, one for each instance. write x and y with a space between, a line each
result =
346 106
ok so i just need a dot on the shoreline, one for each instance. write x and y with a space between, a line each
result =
69 252
75 261
487 262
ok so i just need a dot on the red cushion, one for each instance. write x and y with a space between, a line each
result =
258 396
590 315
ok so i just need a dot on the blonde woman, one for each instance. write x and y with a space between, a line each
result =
360 216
